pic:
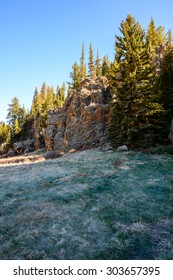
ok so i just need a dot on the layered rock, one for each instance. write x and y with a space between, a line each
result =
82 122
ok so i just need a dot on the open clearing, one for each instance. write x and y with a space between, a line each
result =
88 205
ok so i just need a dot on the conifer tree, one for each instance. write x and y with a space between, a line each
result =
16 128
98 65
36 106
75 76
91 66
58 97
43 97
105 66
50 98
63 93
132 82
82 64
165 87
169 39
14 114
5 134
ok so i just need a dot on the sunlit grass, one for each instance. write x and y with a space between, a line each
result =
88 205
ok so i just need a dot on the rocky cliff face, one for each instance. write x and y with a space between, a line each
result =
82 122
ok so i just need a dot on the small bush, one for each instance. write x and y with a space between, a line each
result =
168 149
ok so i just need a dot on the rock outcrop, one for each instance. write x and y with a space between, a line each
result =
82 122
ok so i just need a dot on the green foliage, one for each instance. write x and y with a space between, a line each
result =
5 133
75 75
83 71
105 66
132 81
36 104
91 65
16 116
165 89
98 65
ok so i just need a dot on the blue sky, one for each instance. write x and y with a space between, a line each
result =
41 39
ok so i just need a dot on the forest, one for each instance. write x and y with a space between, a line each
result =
140 81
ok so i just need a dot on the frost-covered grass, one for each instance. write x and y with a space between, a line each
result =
88 205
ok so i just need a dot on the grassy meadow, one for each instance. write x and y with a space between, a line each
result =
88 205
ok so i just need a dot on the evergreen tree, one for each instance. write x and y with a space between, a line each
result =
5 135
98 65
57 102
43 97
50 98
169 39
75 76
105 66
161 37
135 107
14 113
36 106
23 115
63 93
82 64
165 87
91 66
16 128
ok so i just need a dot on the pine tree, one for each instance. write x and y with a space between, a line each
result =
23 115
50 98
169 39
63 93
57 102
91 66
36 106
132 82
82 64
16 128
14 114
161 37
75 76
165 87
105 66
43 97
98 65
5 134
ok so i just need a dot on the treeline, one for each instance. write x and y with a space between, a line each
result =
96 67
141 83
20 120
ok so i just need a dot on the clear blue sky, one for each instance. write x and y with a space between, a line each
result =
41 39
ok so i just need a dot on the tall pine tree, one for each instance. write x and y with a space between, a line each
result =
91 65
132 82
82 64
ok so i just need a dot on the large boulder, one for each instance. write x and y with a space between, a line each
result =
24 147
82 122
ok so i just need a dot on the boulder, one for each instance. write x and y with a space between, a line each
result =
122 148
25 146
82 122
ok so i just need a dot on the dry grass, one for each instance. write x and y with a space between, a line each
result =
88 205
